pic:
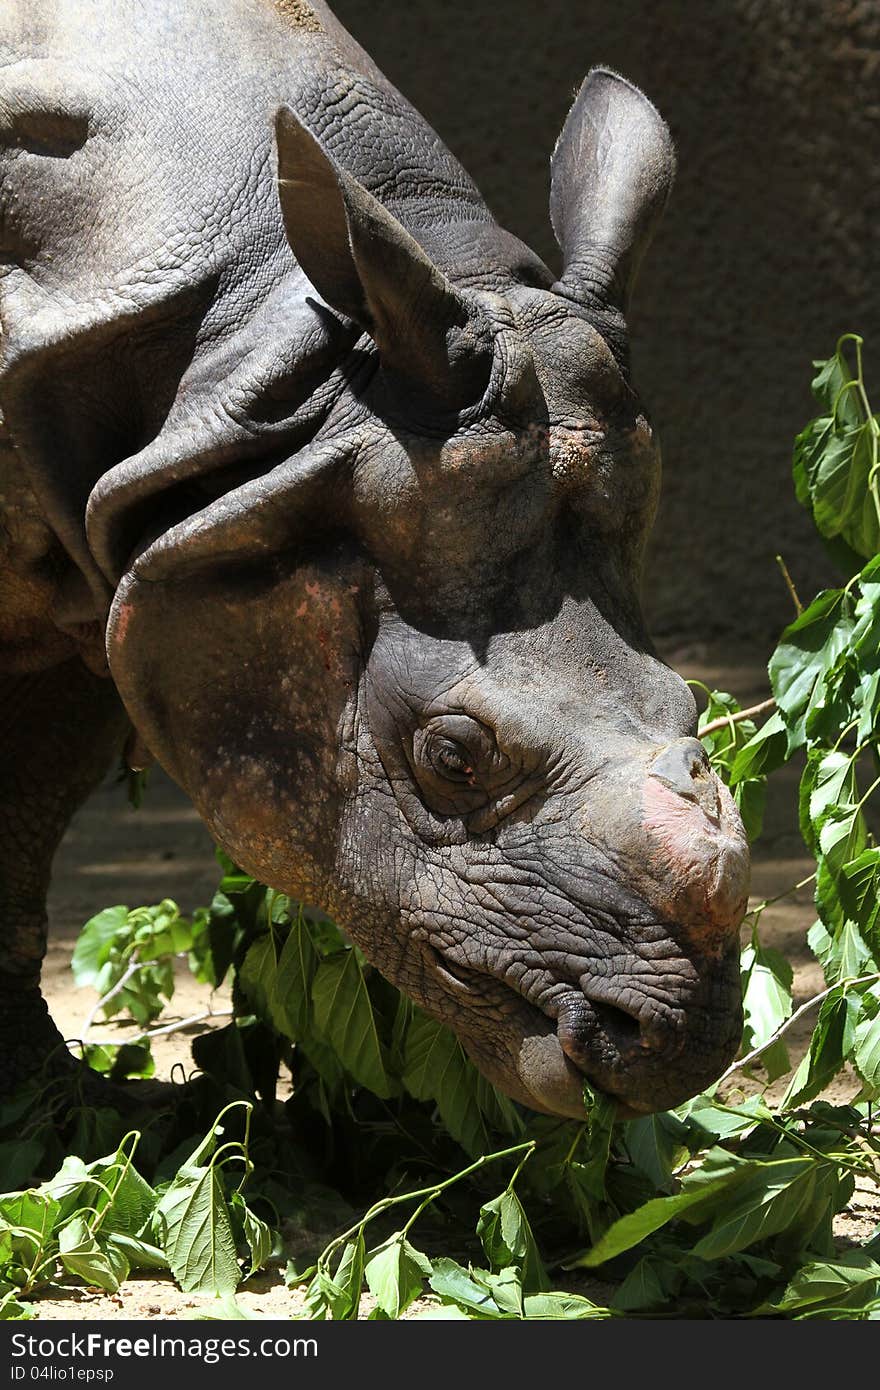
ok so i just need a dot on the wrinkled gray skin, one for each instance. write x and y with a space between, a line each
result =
356 494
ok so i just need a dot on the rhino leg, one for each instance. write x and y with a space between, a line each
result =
60 730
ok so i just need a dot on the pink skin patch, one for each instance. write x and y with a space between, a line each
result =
121 619
701 861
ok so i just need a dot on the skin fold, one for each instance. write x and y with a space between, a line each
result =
328 478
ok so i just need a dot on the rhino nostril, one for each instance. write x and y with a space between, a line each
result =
590 1029
683 766
623 1030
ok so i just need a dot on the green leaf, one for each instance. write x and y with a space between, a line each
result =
859 888
720 1174
348 1279
71 1187
866 641
722 744
866 1052
31 1218
478 1292
507 1239
650 1284
766 1002
122 1062
256 1232
835 459
850 1282
225 1309
139 1253
92 949
828 780
161 931
505 1289
499 1111
587 1180
866 702
320 1295
81 1255
773 1199
344 1017
13 1310
832 375
750 796
195 1232
464 1288
257 977
724 1122
437 1069
842 837
395 1273
561 1305
297 965
828 1048
217 939
762 753
131 1199
806 653
655 1144
845 956
278 986
18 1159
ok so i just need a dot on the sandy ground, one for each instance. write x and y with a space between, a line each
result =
113 854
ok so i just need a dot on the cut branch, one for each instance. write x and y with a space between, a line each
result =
165 1030
783 1028
763 708
131 970
795 598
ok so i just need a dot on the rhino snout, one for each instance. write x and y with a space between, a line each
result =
648 1053
655 1016
696 852
648 1046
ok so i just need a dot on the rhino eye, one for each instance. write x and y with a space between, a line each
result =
454 749
54 134
450 759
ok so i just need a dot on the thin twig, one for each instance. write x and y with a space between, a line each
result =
860 1139
761 907
428 1192
763 708
784 1027
798 606
164 1030
123 980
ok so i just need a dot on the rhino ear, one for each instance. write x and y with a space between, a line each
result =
365 264
611 174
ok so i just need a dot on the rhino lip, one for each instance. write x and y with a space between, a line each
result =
458 977
627 1033
623 1031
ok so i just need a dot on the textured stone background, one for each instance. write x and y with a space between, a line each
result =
767 254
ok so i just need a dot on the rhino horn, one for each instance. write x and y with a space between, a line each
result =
611 174
366 265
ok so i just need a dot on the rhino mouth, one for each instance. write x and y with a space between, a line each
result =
551 1080
542 1054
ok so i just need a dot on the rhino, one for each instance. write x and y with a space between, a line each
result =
322 490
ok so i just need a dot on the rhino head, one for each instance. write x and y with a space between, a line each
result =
411 680
379 614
